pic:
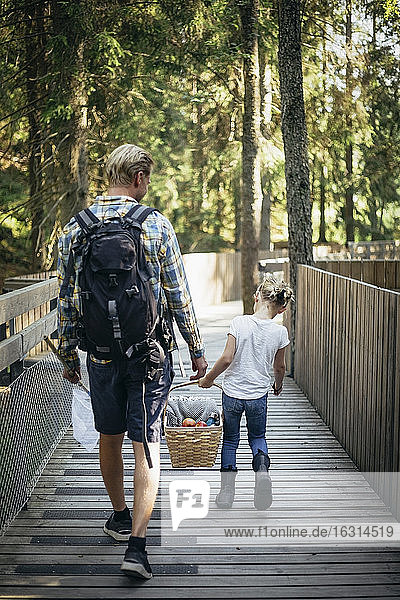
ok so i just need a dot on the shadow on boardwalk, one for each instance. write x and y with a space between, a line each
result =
56 548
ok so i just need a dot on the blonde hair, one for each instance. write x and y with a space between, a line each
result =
272 290
125 162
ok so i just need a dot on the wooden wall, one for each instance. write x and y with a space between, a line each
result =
213 277
347 361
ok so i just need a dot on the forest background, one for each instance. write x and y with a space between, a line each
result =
80 78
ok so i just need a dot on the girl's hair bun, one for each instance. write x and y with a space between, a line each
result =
272 290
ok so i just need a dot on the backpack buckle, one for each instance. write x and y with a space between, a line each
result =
112 280
133 291
140 348
113 316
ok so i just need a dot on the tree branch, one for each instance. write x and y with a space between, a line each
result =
22 108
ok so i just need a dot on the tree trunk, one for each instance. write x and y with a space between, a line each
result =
265 94
322 167
71 85
79 158
236 192
34 43
199 166
294 134
265 228
349 206
322 201
251 177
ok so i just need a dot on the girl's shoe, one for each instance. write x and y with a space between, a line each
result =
226 494
262 483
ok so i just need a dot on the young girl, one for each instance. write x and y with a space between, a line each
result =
255 345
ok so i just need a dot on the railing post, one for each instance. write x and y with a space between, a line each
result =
53 305
17 368
4 375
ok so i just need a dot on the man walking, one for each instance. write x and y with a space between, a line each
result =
125 398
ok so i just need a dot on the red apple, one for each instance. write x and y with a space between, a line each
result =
201 424
188 422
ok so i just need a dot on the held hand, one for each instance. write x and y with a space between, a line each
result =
200 365
204 382
276 390
72 376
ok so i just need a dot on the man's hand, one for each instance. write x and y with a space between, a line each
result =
200 365
72 376
205 382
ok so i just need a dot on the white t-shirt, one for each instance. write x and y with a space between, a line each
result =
257 342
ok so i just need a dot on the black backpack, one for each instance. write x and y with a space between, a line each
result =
119 314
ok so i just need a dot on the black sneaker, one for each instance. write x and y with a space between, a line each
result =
119 530
135 563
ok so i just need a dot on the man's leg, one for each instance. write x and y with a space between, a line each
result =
145 486
112 468
146 480
119 524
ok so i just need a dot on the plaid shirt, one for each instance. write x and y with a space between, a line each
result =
168 279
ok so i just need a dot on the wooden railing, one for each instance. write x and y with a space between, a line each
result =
27 315
382 273
347 361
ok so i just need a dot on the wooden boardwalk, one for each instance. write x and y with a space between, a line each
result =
56 548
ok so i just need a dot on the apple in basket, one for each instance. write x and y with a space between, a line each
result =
188 422
201 424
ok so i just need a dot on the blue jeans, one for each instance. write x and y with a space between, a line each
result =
256 418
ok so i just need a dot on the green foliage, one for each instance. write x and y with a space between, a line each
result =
167 76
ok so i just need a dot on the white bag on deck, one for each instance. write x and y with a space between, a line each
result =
83 420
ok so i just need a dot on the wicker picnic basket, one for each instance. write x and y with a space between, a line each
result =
192 446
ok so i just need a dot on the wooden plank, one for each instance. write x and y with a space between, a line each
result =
325 592
10 351
18 302
311 474
17 346
183 581
34 333
201 555
210 568
356 269
390 275
396 393
368 272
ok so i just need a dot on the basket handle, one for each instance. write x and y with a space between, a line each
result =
175 387
195 382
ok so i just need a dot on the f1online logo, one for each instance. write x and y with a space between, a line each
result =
189 499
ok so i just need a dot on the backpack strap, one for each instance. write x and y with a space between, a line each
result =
86 220
138 213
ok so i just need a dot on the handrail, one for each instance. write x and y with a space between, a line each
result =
346 278
18 345
27 316
18 302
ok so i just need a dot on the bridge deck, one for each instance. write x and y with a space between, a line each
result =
56 548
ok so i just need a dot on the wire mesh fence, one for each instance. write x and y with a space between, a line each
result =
35 412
